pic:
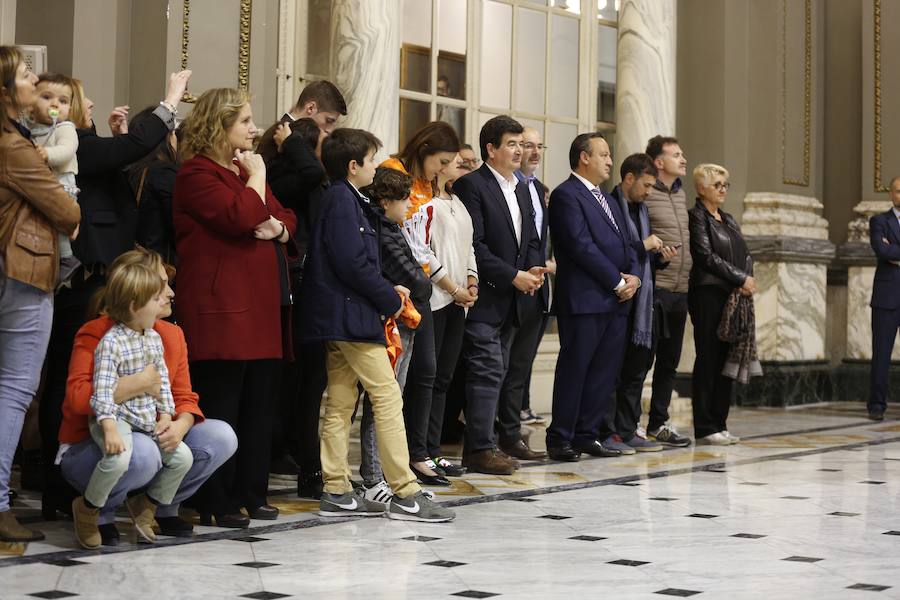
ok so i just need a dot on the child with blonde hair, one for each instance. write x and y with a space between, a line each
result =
132 299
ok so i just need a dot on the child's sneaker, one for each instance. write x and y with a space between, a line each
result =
418 507
379 492
350 504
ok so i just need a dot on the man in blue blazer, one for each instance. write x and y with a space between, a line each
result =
596 278
884 235
507 250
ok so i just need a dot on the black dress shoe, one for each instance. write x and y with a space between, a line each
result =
174 526
876 415
266 512
429 479
564 452
109 534
595 448
310 485
231 520
449 469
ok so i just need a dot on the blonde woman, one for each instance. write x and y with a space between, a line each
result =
721 263
234 294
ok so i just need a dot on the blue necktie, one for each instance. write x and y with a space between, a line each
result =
605 206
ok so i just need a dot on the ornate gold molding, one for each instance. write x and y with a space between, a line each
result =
243 46
878 184
807 95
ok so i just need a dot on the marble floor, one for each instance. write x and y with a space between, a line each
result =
807 506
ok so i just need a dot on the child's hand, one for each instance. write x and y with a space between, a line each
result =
112 441
43 152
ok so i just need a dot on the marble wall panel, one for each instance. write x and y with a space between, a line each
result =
790 311
859 315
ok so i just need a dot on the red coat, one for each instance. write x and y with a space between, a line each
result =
229 298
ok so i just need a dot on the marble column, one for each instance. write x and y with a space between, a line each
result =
365 37
645 79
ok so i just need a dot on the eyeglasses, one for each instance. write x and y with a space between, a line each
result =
468 163
529 146
722 186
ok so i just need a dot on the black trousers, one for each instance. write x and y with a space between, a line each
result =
670 316
417 393
526 391
244 394
625 413
449 326
486 353
522 351
711 389
296 430
885 323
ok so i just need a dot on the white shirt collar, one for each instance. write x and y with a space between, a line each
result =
590 186
505 184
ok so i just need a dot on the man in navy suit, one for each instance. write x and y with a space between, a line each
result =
884 235
510 267
596 278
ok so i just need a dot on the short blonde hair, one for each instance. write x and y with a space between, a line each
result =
205 130
705 172
131 285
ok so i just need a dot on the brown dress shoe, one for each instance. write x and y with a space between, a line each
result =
86 531
12 531
490 462
142 511
521 451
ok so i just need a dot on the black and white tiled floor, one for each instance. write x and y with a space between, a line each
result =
806 507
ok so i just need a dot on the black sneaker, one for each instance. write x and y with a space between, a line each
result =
449 469
668 436
310 486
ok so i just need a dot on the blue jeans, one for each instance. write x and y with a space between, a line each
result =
26 314
212 442
370 466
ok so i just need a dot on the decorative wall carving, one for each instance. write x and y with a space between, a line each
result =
807 95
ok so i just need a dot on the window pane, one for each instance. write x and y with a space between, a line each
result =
455 116
573 6
452 48
415 55
531 60
564 67
318 38
606 76
608 10
413 115
496 54
559 137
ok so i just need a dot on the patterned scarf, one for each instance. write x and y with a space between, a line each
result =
738 328
642 334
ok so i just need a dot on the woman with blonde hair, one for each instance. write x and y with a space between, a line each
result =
34 209
234 294
721 265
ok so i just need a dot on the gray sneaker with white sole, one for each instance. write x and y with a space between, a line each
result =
418 507
350 504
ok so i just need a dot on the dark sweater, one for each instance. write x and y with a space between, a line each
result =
398 265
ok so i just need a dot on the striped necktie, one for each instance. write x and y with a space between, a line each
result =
605 206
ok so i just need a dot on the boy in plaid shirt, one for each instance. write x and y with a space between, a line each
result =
132 300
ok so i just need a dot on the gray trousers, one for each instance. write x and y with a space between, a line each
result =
112 467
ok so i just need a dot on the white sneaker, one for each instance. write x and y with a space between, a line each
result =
380 493
733 438
714 439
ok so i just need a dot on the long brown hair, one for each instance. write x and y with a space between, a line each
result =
434 137
10 59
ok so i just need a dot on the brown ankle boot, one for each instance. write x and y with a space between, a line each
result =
86 531
142 511
12 531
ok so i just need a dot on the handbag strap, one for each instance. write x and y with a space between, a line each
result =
140 190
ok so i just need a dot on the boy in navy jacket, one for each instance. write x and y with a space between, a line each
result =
345 301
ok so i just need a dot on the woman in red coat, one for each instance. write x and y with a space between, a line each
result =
233 294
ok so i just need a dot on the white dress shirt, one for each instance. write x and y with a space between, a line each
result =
508 187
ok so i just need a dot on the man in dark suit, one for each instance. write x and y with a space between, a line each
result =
595 280
509 268
884 235
534 315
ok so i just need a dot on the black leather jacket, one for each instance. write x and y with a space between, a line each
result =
720 255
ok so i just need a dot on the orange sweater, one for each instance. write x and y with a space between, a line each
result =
80 385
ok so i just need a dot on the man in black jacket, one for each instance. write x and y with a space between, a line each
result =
510 267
